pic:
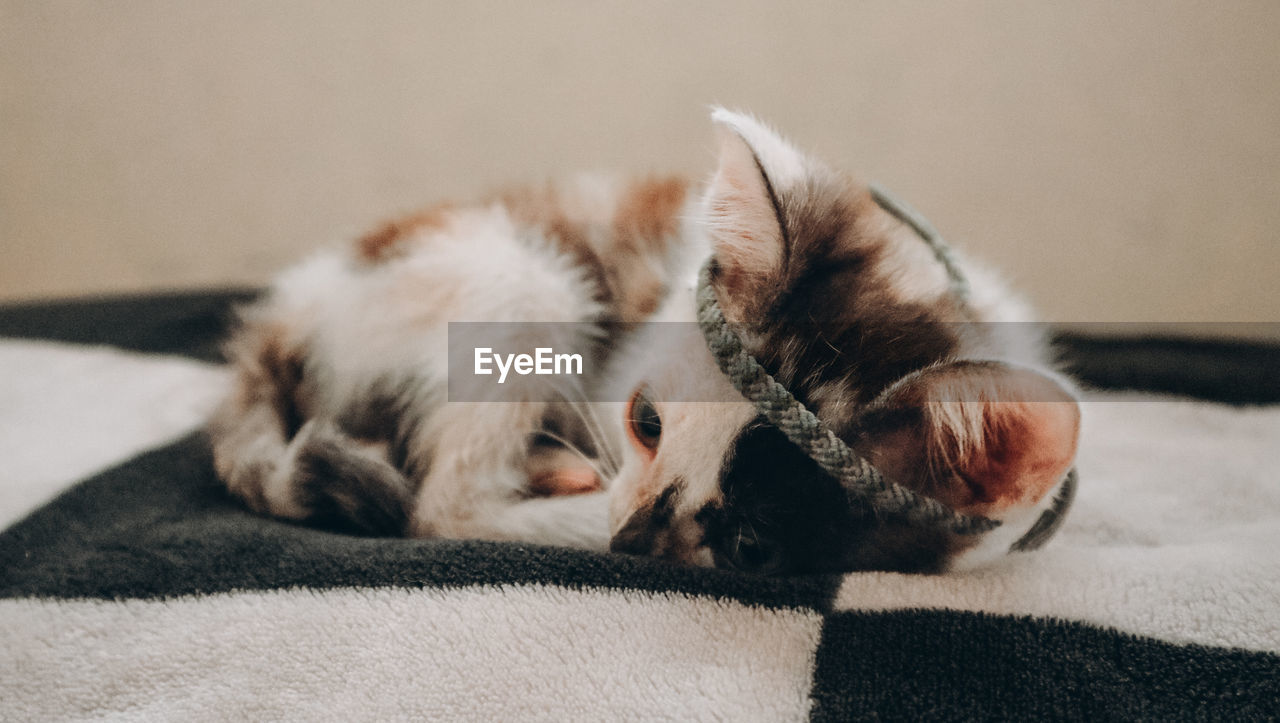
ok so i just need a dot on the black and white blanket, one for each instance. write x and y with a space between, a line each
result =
133 587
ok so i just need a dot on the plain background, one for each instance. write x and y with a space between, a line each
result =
1119 160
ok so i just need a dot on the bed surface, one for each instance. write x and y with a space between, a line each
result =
133 586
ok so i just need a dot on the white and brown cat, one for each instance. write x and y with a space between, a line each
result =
340 413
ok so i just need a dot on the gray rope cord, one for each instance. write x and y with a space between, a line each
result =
860 479
925 230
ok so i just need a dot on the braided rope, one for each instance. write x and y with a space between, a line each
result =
925 230
860 479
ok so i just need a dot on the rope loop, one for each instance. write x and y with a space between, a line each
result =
861 480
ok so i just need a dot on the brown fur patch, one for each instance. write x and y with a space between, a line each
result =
648 214
270 372
251 427
832 316
646 221
622 251
621 248
649 529
387 241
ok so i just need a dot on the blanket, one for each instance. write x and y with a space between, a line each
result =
133 587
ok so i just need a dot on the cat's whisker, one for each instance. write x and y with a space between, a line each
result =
599 437
572 395
576 398
601 440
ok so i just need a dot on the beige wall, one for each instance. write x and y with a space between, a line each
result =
1121 160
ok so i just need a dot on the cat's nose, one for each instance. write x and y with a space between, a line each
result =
635 538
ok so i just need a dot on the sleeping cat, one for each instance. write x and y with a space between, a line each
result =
341 412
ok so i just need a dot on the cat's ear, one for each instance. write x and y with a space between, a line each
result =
986 438
742 204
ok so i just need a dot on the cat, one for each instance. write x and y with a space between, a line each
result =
341 413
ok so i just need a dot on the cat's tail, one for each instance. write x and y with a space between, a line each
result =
285 466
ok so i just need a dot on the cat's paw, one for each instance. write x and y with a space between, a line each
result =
565 481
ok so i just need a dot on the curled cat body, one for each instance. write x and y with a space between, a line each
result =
341 415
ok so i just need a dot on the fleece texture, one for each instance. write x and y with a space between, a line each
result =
142 591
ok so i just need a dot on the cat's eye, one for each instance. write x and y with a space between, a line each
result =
747 551
643 422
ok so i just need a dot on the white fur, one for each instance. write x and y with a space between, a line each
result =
477 266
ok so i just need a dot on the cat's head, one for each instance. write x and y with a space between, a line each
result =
850 310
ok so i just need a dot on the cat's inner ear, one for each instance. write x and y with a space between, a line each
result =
985 438
743 207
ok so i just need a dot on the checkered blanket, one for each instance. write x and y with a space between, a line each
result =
133 587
